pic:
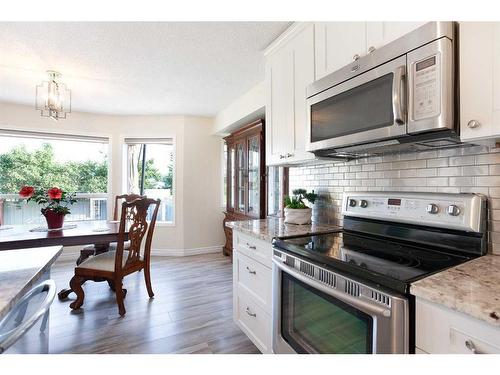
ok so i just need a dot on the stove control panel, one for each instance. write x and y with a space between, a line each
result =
454 211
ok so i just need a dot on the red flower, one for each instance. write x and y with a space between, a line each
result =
55 193
26 191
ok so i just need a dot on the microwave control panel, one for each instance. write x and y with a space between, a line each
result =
426 88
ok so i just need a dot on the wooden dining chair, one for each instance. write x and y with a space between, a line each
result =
92 249
114 265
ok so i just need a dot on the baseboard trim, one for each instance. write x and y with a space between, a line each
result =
186 252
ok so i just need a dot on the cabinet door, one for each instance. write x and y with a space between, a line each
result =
241 177
288 73
231 176
336 43
254 183
381 33
479 80
303 75
279 105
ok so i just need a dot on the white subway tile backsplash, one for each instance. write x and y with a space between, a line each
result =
462 160
437 162
470 169
479 170
450 171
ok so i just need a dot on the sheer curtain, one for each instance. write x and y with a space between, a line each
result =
133 155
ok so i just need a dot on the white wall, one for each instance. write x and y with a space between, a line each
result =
243 110
197 164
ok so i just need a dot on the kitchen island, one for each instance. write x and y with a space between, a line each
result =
20 270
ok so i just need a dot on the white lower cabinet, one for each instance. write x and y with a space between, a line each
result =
441 330
252 286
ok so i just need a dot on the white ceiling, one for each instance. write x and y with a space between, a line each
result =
191 68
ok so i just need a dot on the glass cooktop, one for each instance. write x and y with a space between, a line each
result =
384 262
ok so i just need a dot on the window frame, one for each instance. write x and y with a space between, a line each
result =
124 169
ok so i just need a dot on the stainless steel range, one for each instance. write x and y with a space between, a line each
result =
348 292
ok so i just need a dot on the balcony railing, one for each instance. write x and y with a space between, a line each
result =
89 206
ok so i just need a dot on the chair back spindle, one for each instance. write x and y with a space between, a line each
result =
126 198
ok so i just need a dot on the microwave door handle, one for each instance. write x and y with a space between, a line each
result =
398 95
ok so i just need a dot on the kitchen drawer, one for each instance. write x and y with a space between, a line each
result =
253 320
442 330
255 278
254 248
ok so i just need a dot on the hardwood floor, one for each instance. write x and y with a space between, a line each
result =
190 313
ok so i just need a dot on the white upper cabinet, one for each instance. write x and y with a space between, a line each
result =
289 70
337 44
381 33
479 80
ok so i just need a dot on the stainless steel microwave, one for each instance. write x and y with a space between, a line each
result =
399 97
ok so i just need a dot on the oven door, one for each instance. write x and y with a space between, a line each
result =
367 108
312 317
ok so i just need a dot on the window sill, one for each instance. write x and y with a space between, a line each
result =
164 224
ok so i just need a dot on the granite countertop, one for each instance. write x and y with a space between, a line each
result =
471 288
20 270
267 229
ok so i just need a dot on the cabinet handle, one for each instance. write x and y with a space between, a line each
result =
371 49
289 155
250 313
251 246
473 124
282 156
355 57
250 271
470 345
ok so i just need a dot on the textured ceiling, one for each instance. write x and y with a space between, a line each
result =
192 68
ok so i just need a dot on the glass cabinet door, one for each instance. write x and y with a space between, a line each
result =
240 177
230 175
254 176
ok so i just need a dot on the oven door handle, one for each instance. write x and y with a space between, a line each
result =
398 95
371 308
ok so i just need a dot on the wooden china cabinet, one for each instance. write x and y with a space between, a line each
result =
245 177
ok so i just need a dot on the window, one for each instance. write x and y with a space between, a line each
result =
150 172
277 188
75 164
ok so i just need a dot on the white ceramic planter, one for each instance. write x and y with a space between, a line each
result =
298 216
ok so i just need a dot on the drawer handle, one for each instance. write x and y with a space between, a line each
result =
250 271
473 124
470 345
250 313
251 246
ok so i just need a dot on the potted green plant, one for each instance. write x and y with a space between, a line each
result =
55 203
296 211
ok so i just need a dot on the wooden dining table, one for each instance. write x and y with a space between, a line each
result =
100 233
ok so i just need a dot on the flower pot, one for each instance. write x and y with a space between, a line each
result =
54 219
298 215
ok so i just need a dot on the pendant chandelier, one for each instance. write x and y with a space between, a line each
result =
53 98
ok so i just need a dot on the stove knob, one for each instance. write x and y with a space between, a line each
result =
363 203
352 202
453 210
432 208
